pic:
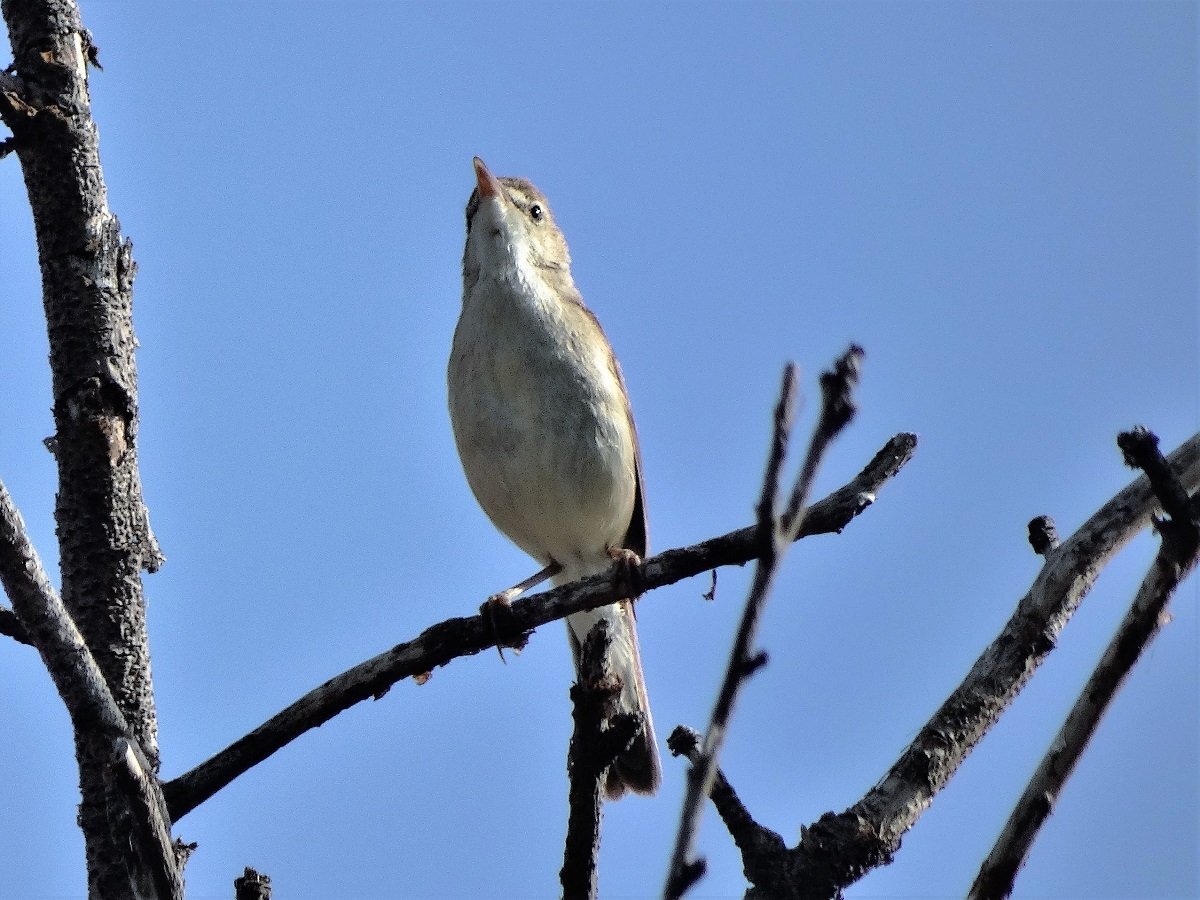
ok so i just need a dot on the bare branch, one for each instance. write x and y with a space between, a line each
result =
137 812
829 516
1146 616
103 528
781 433
43 618
839 848
441 643
252 885
762 849
593 749
837 409
11 626
140 823
1141 623
777 533
1140 448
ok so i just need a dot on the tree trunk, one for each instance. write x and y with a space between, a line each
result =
87 277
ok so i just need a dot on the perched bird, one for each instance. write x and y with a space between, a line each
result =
544 428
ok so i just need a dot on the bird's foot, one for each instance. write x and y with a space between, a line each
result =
627 572
497 610
497 613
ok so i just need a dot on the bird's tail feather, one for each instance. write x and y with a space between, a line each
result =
638 768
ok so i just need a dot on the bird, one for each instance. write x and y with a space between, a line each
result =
544 429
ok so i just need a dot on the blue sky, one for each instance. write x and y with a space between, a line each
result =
999 202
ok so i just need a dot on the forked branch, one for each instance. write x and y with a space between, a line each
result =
838 849
776 532
1147 614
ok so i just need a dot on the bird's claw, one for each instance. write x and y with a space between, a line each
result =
497 612
627 572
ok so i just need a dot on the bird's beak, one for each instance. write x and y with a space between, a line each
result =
489 184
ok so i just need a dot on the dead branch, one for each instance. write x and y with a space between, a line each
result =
838 849
760 847
40 614
10 626
252 885
441 643
137 812
103 528
592 750
776 532
1147 614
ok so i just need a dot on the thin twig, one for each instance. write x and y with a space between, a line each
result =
755 842
837 409
441 643
781 432
776 534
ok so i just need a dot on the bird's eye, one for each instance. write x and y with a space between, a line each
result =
536 212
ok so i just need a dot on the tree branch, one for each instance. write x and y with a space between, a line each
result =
10 626
441 643
137 815
593 749
840 848
41 616
1175 559
252 885
776 533
87 282
762 849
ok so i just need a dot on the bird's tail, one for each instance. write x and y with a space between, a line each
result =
638 769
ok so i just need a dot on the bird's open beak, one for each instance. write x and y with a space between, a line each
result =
489 184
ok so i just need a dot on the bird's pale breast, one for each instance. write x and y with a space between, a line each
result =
541 423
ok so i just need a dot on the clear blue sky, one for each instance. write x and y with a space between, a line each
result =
998 201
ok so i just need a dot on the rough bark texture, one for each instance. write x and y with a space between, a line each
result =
87 276
252 885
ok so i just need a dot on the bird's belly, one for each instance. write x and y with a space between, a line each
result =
547 447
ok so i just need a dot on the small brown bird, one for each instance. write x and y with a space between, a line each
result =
544 428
